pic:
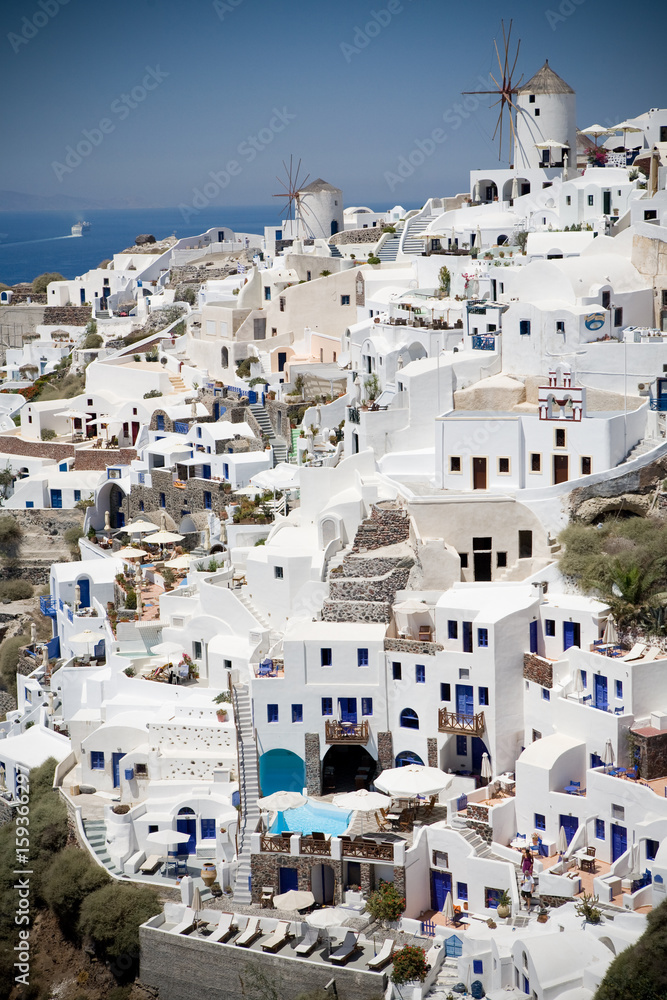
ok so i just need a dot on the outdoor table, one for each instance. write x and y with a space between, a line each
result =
585 861
519 843
572 789
394 819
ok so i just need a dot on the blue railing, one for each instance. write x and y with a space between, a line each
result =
659 404
427 928
484 343
47 605
181 427
462 803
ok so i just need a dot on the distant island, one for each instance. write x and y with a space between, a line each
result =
20 201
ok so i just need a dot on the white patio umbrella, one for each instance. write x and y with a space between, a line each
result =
413 780
163 538
448 908
362 800
608 756
561 843
166 648
169 839
294 899
578 682
281 801
610 635
71 414
140 527
596 131
330 916
179 562
129 552
626 127
87 636
486 770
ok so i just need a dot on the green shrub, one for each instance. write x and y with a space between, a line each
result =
243 368
110 918
48 434
153 394
372 259
386 903
73 534
15 590
11 532
71 876
409 965
131 600
9 657
639 971
185 295
92 341
40 283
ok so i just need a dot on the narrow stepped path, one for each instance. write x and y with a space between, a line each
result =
249 791
266 427
411 243
177 383
389 250
335 252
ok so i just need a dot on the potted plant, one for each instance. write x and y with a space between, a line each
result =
409 965
504 904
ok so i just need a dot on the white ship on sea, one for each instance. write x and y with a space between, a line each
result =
79 228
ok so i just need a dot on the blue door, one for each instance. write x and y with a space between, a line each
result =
533 637
619 841
453 946
571 634
84 592
288 878
464 699
187 824
348 709
115 763
441 884
206 471
600 692
570 824
56 498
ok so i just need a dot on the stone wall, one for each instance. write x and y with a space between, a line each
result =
385 526
363 567
537 669
432 751
356 611
652 744
373 589
85 459
43 541
369 235
313 764
173 964
554 901
385 750
412 646
482 830
7 702
177 499
67 315
265 870
639 481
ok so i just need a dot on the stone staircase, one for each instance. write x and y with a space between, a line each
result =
411 243
481 848
389 250
641 448
177 384
249 791
96 835
266 427
335 252
447 977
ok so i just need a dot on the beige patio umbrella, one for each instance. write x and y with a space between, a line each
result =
294 899
330 916
610 635
197 904
626 127
561 843
486 770
87 636
128 552
140 527
448 908
281 801
362 801
415 779
71 414
179 562
596 131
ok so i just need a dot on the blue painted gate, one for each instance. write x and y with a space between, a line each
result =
619 841
288 878
570 824
441 884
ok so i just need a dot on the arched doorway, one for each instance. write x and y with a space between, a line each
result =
116 514
281 770
224 357
346 768
406 757
323 883
187 823
477 750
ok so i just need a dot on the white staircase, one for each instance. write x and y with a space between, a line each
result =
249 791
266 427
411 243
448 976
389 250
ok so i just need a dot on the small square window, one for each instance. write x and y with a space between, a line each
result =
77 496
568 199
483 696
463 556
586 465
540 822
464 673
278 572
196 650
271 713
550 627
546 694
651 849
560 437
325 657
503 466
618 812
454 463
327 706
297 713
440 859
462 890
96 759
420 673
599 829
501 559
345 300
618 316
524 327
366 706
477 966
452 629
531 98
537 112
535 462
396 671
362 657
482 637
445 692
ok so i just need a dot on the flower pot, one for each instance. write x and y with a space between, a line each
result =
222 715
208 874
504 911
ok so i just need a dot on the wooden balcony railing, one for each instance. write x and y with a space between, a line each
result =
346 732
462 725
275 845
367 849
318 847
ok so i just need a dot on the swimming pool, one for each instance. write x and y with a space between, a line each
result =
313 816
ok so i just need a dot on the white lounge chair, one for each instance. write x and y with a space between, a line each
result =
383 956
251 933
186 923
151 864
280 936
346 949
636 652
224 929
307 942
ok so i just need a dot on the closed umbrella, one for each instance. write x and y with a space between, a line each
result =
294 899
448 908
486 770
413 780
578 682
610 635
561 843
170 839
197 904
280 801
608 757
330 916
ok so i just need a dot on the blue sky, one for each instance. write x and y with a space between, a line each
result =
189 87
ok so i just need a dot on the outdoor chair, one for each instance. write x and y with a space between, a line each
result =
186 924
382 823
251 933
151 864
267 895
383 956
225 928
307 942
346 949
317 835
279 937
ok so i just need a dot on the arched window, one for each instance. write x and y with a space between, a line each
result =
409 719
186 811
502 240
224 357
406 757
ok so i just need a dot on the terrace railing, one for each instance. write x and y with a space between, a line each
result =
368 849
462 725
275 845
321 848
346 732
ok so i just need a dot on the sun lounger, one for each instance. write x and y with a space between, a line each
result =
346 950
250 934
224 929
279 937
636 652
151 864
186 924
307 942
383 956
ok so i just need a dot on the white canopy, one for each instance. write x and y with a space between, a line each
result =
415 779
283 477
168 838
280 801
362 800
330 916
294 899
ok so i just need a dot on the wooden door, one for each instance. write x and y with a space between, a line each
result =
479 473
561 469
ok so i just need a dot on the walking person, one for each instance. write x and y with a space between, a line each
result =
526 862
527 887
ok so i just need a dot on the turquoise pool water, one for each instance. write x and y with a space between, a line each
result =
312 816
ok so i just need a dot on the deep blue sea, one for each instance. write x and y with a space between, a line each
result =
34 242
